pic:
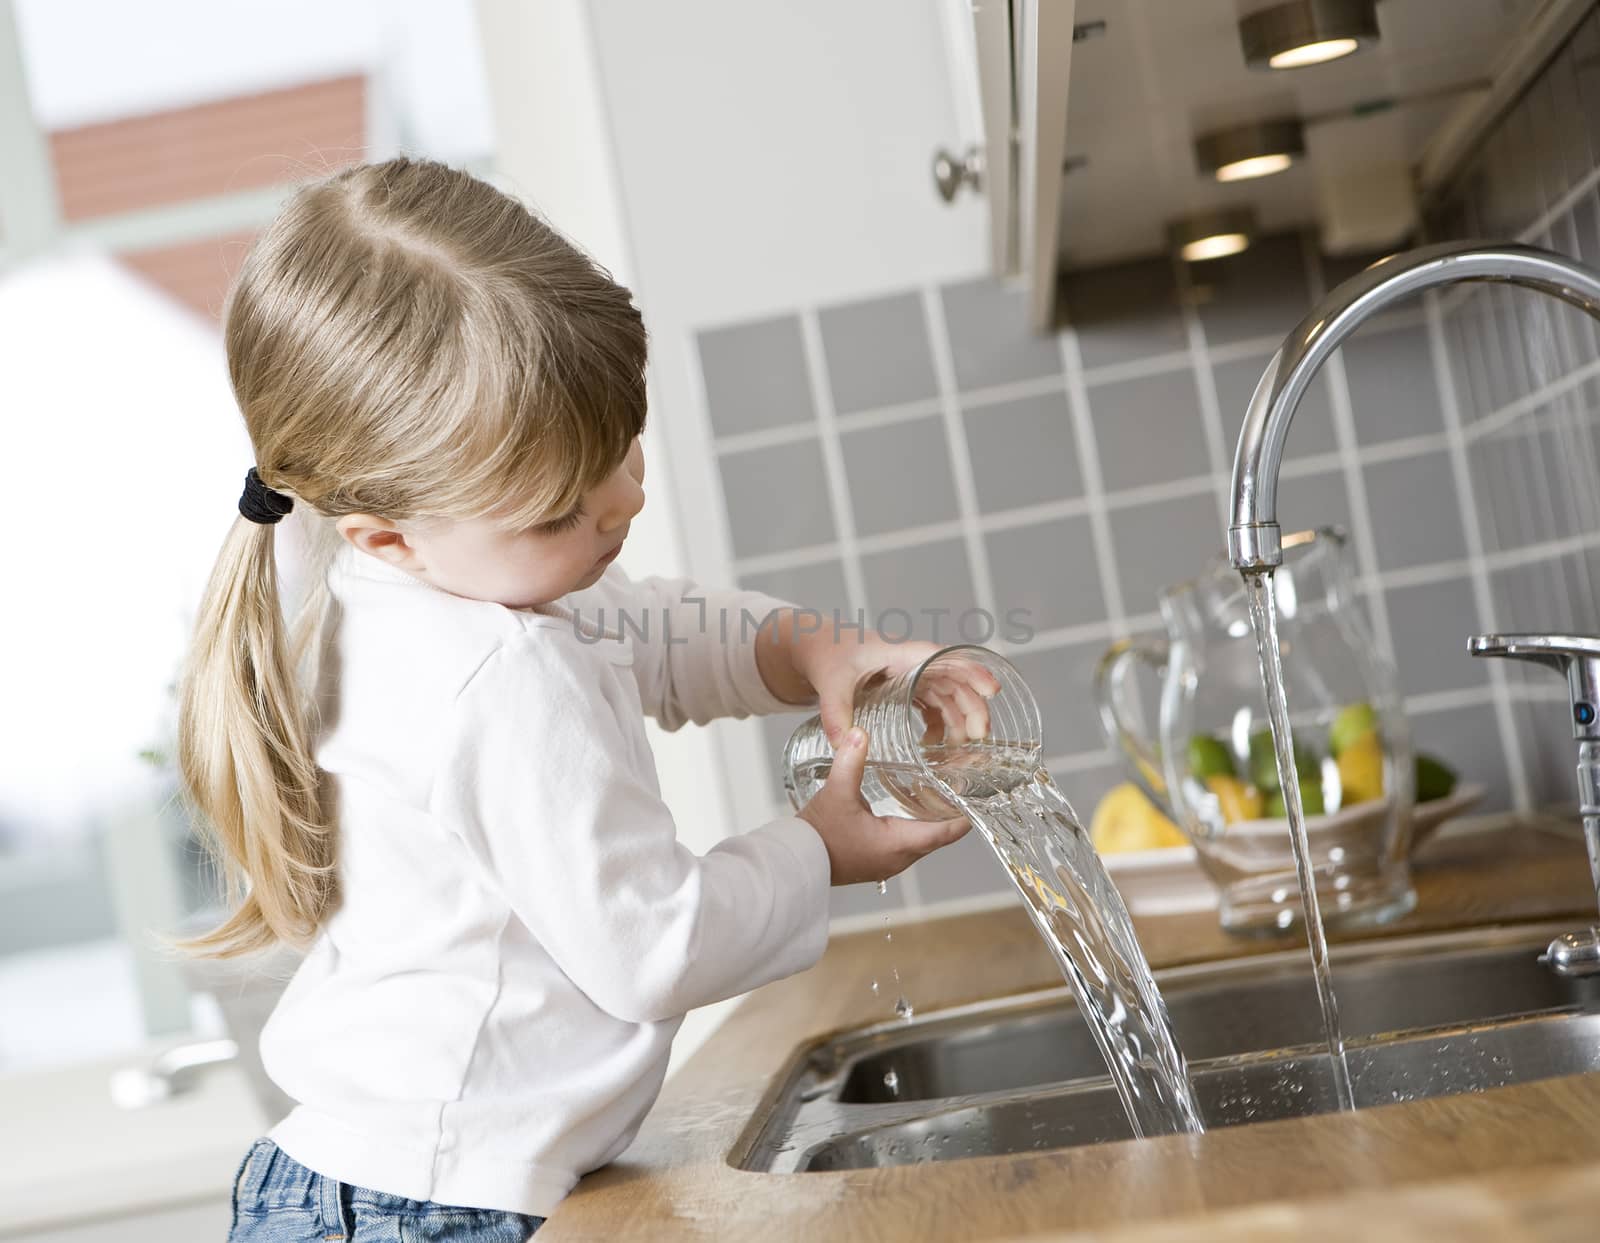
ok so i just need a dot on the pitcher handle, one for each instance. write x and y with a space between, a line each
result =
1113 693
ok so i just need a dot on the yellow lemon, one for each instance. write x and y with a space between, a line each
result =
1361 770
1126 820
1236 800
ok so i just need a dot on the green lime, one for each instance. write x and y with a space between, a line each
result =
1264 760
1435 779
1353 721
1209 757
1311 802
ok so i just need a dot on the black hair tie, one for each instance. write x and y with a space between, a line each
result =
260 503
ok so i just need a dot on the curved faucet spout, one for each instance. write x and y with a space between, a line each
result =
1253 538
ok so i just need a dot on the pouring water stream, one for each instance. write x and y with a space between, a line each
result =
1264 618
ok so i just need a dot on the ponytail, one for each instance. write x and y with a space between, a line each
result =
245 755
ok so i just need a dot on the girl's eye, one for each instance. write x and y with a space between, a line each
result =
557 525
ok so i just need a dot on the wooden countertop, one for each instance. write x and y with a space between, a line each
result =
1515 1163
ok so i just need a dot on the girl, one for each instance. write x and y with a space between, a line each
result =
443 790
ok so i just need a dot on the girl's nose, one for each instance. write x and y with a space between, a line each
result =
624 497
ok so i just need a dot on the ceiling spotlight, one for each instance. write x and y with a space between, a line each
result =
1256 149
1307 32
1212 235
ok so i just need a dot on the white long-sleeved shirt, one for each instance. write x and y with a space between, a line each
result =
487 1015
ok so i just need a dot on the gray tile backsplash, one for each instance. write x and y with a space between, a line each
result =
1313 432
1319 500
1469 739
1416 519
777 498
1048 569
1393 395
1149 430
1023 452
1063 680
1162 543
1426 659
1153 345
755 376
877 353
924 588
990 342
899 476
820 585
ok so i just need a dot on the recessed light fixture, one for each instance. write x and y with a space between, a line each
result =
1255 149
1212 235
1307 32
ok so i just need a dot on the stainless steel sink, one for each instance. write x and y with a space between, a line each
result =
1424 1016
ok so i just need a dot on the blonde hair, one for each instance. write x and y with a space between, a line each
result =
407 341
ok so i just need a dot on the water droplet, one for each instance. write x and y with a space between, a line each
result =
883 886
892 1081
903 1008
888 936
874 988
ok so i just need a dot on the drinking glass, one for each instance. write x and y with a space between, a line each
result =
919 753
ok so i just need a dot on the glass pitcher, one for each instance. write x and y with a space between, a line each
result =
1211 767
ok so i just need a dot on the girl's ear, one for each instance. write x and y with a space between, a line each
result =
380 538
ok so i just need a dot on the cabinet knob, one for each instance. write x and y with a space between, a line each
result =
951 172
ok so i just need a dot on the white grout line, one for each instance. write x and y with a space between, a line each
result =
1205 383
1408 446
1136 368
1028 515
1509 413
913 537
1449 701
888 416
1418 575
1561 206
1175 489
1311 464
1093 483
1016 390
1477 563
1547 550
1247 347
844 521
1344 428
839 494
955 432
765 438
1085 632
788 559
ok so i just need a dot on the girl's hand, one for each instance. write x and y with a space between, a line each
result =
862 846
834 666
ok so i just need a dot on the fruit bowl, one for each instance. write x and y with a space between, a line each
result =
1168 879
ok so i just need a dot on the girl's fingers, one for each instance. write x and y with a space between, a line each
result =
921 837
974 710
849 763
836 704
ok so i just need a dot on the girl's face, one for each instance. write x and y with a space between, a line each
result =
476 559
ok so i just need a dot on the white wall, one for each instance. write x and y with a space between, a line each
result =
772 154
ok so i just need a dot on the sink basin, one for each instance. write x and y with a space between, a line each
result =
1423 1016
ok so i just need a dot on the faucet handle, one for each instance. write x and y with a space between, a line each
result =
1577 656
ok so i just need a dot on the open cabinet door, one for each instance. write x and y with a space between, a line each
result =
1021 52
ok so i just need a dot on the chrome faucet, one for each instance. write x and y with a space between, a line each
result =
1254 540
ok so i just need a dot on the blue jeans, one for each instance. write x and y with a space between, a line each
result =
278 1200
